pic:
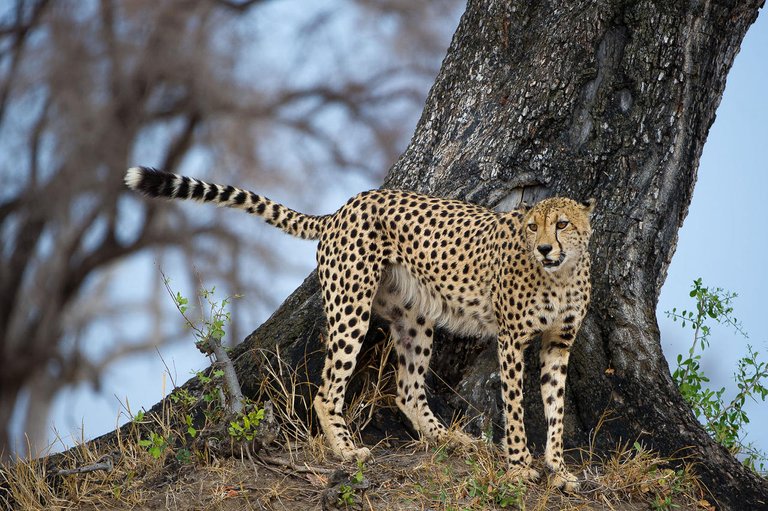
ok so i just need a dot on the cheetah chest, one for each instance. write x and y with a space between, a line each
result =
551 308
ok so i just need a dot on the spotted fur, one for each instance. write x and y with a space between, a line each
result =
421 262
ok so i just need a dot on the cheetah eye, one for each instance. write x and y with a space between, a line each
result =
532 227
562 224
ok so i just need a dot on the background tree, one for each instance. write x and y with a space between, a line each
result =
89 88
611 100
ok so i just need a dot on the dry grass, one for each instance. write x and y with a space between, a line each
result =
409 477
303 475
378 383
477 479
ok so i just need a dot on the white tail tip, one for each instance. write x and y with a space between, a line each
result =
133 177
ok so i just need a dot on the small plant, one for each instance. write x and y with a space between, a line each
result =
441 454
723 420
184 456
346 495
155 444
183 397
209 332
191 430
245 427
358 477
663 503
498 491
212 385
669 485
347 492
509 495
489 485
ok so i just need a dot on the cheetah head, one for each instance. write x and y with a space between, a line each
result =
557 232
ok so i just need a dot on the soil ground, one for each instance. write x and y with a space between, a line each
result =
406 478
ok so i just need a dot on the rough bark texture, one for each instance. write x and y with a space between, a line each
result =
611 100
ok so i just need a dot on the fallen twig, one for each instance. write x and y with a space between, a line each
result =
105 463
305 469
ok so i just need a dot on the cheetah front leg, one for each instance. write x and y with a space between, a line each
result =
510 349
555 351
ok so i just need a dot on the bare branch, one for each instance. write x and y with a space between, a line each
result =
241 6
105 463
21 30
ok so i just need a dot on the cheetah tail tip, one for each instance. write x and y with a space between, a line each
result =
134 176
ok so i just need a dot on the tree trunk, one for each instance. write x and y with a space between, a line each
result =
611 100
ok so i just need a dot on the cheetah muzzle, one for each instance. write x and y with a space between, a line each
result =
550 264
423 262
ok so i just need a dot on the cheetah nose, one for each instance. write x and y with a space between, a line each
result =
544 249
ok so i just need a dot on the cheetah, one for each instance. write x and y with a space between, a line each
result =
422 262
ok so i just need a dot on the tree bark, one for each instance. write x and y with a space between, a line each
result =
611 100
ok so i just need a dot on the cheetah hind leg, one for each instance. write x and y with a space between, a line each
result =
345 338
412 335
330 417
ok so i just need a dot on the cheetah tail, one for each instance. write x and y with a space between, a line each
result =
157 183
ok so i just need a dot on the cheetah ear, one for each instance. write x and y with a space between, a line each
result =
524 207
589 206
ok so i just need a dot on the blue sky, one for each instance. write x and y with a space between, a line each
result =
722 241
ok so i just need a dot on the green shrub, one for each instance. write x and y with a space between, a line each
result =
724 420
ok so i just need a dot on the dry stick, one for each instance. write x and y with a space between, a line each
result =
230 376
104 463
306 469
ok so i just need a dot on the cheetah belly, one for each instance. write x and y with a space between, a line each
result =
470 314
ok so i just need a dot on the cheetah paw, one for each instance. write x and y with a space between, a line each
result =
564 480
459 438
360 454
525 474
